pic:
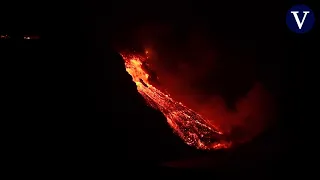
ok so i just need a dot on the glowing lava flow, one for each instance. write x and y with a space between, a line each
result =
190 126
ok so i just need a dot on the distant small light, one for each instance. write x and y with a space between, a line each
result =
31 37
4 36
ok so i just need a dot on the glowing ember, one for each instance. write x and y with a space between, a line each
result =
191 127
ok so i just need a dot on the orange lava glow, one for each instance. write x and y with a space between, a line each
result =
191 127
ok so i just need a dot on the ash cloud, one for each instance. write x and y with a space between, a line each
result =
215 78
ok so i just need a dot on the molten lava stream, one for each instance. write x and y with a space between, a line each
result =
191 127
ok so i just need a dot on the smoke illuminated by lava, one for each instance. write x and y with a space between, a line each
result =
190 126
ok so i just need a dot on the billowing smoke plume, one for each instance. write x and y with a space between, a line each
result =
208 76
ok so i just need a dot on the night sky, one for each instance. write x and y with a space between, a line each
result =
86 109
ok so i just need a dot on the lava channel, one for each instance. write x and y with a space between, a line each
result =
191 127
